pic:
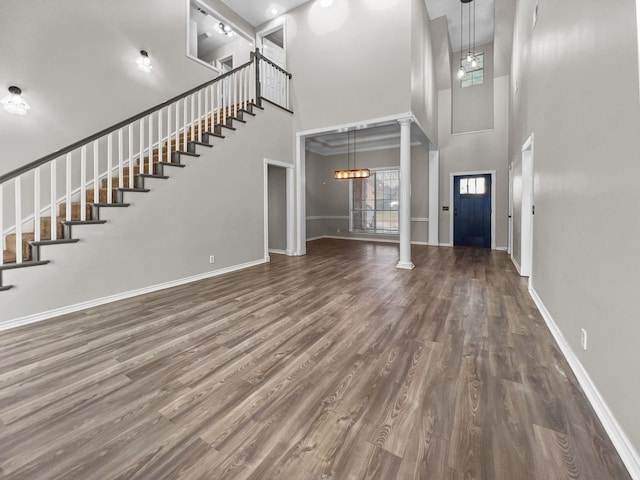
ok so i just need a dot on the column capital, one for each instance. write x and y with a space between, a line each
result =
405 121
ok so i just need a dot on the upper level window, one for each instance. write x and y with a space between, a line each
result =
473 75
375 201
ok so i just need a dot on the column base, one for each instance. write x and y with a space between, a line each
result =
406 265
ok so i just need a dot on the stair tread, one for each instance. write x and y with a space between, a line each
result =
60 241
214 134
111 205
4 288
202 144
84 222
24 264
172 164
148 175
142 190
188 154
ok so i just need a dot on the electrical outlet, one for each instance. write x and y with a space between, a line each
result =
583 338
212 259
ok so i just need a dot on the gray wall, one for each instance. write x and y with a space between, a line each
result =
345 67
328 198
214 206
585 116
277 199
240 48
424 91
476 152
86 78
473 106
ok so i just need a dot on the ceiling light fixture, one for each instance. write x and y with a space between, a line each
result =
144 62
353 172
470 57
274 11
326 3
225 30
14 103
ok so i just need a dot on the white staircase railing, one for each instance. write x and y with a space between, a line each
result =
38 201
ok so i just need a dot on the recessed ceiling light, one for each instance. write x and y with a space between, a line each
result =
274 11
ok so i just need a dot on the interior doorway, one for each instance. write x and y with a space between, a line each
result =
528 210
278 208
472 210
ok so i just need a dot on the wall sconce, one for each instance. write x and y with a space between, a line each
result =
14 103
144 62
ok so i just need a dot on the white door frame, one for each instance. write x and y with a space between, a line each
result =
510 243
527 205
434 197
493 202
290 192
276 25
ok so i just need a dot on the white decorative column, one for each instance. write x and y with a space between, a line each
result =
405 195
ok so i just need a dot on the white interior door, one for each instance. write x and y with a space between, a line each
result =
526 233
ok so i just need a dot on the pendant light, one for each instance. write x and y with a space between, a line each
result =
348 174
470 57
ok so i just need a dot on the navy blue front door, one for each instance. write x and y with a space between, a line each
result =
472 211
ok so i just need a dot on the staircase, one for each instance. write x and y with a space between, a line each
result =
139 148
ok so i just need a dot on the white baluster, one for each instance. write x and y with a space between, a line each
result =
53 205
120 159
18 208
150 165
67 182
83 183
36 205
200 115
160 146
177 144
287 93
193 119
168 133
110 168
185 138
234 82
225 89
212 104
131 171
206 107
96 172
141 147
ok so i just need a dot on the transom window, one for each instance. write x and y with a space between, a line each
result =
375 201
473 75
472 186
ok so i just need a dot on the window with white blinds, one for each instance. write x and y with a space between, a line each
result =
375 201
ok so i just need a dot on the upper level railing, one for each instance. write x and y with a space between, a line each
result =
37 199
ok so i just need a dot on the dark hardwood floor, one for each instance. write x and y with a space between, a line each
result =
330 366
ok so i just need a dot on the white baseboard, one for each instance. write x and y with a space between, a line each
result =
313 239
38 317
620 441
502 249
516 264
362 239
420 243
279 252
445 245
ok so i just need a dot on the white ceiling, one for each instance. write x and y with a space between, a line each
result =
256 12
451 9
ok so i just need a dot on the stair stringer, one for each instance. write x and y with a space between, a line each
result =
213 206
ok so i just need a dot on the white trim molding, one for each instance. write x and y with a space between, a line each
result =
419 219
38 317
621 442
328 217
290 200
516 264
